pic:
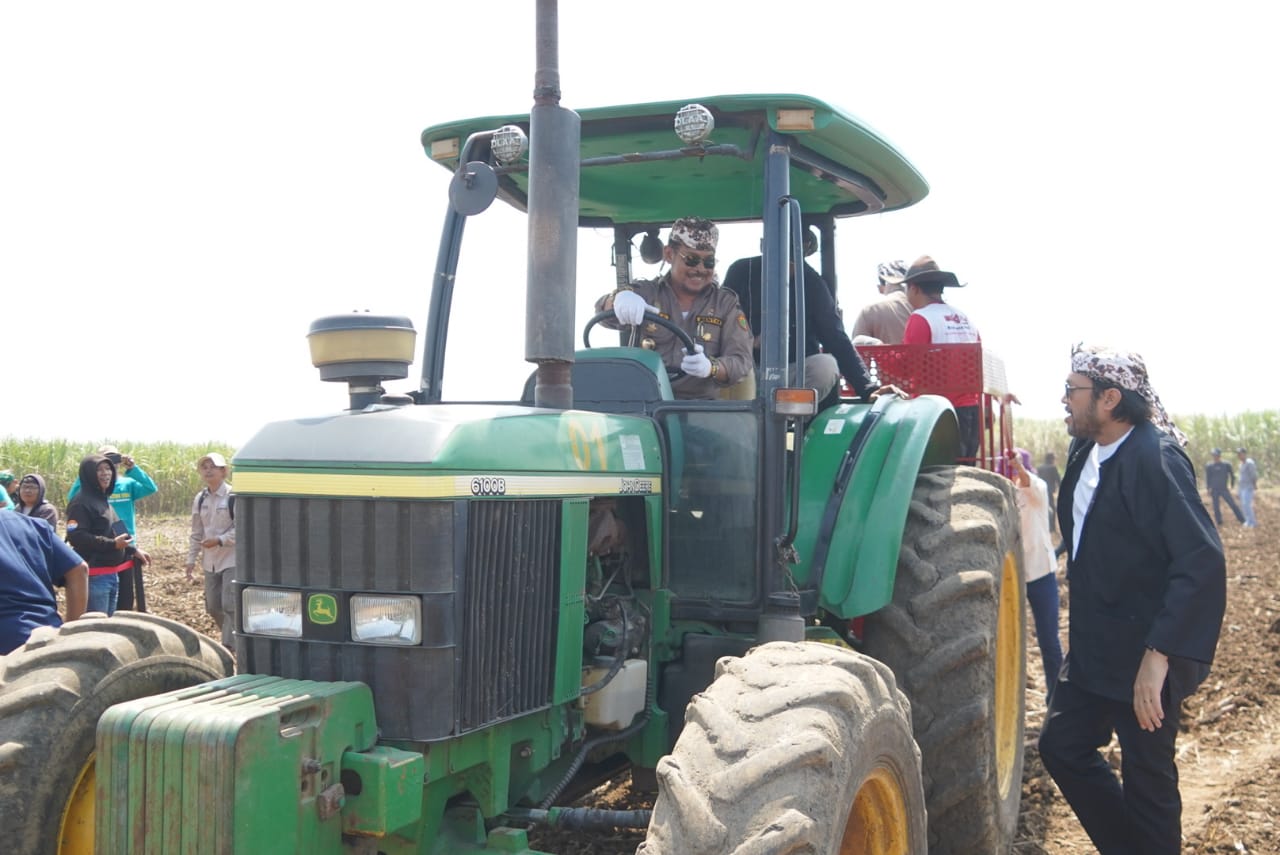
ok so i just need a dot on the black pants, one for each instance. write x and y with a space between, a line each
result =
1142 816
970 432
1231 503
131 581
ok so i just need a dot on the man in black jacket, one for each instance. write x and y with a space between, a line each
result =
1148 591
829 353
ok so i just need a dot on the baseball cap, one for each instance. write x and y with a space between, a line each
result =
6 477
215 458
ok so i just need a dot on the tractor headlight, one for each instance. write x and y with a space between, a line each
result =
509 144
271 611
384 619
694 123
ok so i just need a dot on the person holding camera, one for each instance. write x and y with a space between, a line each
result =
98 535
132 484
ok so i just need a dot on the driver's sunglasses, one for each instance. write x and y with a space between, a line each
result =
708 262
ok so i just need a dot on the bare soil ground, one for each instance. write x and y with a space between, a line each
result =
1229 750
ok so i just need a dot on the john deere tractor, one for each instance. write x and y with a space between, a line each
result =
803 627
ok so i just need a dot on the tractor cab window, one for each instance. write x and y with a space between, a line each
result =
712 512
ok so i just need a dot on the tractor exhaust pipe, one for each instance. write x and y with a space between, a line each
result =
554 139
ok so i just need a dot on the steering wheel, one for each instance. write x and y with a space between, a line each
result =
685 339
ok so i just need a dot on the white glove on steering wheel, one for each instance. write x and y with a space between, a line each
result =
696 364
629 308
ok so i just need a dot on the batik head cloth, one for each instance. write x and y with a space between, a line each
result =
1127 370
696 233
892 272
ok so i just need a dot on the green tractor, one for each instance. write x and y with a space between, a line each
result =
457 618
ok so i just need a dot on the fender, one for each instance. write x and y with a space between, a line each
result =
857 575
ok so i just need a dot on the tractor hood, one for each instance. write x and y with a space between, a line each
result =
433 452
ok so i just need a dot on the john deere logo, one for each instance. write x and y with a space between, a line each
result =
322 608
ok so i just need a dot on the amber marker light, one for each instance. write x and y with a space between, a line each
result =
795 402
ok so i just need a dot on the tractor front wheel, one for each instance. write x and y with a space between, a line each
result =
54 689
955 637
794 748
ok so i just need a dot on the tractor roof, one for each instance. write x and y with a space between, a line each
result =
848 168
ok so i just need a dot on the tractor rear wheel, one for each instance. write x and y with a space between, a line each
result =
54 689
955 637
794 748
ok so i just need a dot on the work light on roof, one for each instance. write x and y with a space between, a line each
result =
694 123
509 144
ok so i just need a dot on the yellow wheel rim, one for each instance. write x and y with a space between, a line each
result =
1009 636
75 834
877 822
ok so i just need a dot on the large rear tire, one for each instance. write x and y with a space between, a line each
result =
955 637
794 748
54 689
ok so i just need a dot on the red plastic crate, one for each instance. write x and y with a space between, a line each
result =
950 370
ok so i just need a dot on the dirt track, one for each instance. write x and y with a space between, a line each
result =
1229 750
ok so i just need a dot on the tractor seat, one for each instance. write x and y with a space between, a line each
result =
614 380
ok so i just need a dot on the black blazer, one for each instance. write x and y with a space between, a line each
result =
1149 570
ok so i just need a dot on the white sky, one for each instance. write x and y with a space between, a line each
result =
184 187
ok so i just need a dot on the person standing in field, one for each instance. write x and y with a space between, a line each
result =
1248 484
98 534
1219 478
1048 472
32 562
1148 593
131 486
1038 561
213 539
885 319
934 321
31 501
7 486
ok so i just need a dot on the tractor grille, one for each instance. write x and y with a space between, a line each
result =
508 649
487 573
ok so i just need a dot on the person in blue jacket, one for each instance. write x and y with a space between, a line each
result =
132 484
32 561
1147 580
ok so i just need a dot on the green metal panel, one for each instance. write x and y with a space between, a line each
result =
865 541
722 188
389 784
258 759
573 580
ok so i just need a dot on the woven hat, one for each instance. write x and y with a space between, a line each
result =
924 270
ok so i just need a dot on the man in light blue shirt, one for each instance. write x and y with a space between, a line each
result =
1248 482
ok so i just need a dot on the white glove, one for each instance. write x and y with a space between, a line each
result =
696 364
629 308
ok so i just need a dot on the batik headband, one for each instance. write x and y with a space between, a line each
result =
1126 370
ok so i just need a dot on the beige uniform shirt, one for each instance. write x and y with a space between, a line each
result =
884 319
715 321
212 518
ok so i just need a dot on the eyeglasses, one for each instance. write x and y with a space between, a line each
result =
1069 389
708 262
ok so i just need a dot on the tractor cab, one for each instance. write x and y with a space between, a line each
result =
776 168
